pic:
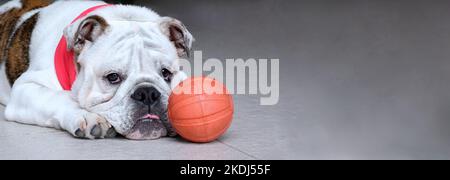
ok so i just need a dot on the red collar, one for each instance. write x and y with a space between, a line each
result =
65 58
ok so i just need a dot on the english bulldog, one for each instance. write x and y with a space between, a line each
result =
92 69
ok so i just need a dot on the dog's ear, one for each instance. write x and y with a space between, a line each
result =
178 34
84 31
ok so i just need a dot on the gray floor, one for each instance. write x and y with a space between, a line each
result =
361 79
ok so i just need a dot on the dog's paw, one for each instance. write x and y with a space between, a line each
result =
93 126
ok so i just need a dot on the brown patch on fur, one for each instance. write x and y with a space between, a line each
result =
9 19
18 60
33 4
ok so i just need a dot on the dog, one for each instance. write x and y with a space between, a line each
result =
92 69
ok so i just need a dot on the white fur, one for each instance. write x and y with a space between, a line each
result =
14 4
133 43
26 16
5 88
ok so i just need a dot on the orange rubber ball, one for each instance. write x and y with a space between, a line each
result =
201 109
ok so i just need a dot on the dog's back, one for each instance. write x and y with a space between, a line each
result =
17 21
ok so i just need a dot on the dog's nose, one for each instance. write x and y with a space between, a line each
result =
146 95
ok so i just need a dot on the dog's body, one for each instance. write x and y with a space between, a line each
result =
126 59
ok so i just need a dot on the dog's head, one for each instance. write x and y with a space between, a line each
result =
127 61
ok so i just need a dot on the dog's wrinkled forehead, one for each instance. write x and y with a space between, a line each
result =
113 29
126 42
148 32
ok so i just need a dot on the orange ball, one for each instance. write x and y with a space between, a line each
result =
201 109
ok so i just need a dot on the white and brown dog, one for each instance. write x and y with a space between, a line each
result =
89 68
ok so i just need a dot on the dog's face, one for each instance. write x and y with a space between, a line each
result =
127 70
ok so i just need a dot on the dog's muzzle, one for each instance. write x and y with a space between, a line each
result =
149 123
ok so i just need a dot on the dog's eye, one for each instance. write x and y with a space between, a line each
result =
167 75
114 78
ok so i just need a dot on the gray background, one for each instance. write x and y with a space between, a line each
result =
360 79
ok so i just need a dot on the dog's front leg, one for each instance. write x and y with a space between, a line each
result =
32 103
